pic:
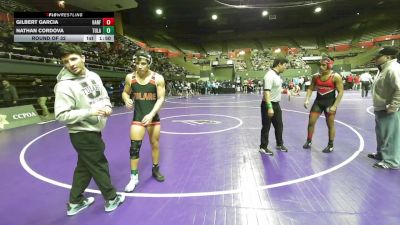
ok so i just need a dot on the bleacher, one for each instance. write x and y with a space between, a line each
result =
379 30
306 43
338 40
275 42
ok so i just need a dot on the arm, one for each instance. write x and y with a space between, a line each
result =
64 108
309 92
160 100
395 84
339 88
267 94
127 92
160 94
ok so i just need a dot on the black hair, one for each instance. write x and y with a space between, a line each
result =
279 60
68 49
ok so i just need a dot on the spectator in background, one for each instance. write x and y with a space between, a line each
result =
357 82
349 81
43 94
110 91
386 101
366 80
10 94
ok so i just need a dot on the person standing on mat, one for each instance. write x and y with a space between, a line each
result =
386 101
366 81
82 103
270 109
148 90
326 84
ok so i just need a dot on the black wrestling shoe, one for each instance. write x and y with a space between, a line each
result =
376 156
282 148
157 175
328 149
307 145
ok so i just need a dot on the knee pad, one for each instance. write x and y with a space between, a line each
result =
135 149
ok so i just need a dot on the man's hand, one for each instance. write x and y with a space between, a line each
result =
391 109
332 108
270 113
95 112
106 111
147 119
129 103
306 104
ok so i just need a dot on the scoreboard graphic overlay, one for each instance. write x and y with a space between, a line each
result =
64 27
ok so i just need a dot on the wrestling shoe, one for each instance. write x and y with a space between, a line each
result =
155 172
132 183
111 205
73 209
328 149
307 145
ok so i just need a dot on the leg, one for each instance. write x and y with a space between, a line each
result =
315 112
362 89
379 138
42 103
278 124
266 125
312 119
90 148
330 122
81 180
136 135
389 131
154 136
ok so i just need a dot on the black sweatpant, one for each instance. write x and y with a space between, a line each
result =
92 163
276 121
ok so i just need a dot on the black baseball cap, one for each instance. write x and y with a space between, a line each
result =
389 50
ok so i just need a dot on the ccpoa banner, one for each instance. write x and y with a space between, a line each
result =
18 116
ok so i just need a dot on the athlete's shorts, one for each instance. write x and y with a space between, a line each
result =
137 120
320 106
